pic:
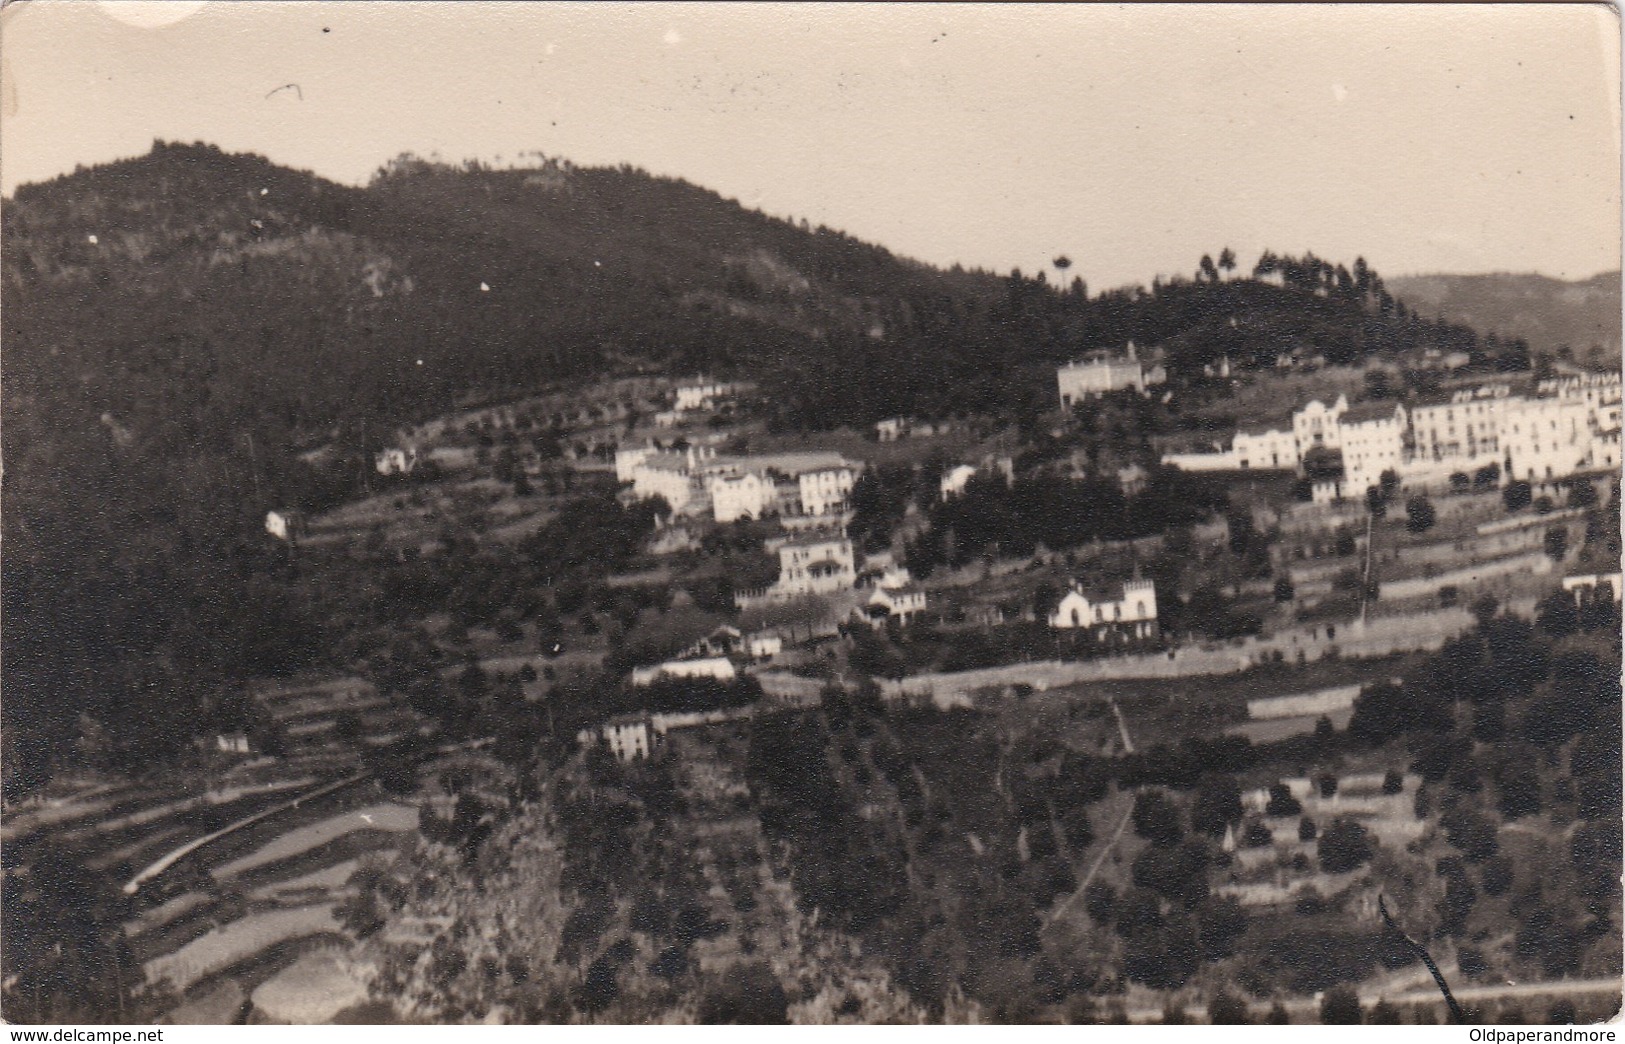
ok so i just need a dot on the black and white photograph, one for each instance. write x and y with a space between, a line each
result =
654 514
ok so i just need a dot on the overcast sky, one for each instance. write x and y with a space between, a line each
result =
1131 138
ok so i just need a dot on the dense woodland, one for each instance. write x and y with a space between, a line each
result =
180 326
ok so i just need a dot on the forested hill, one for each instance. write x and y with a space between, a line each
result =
1582 315
178 326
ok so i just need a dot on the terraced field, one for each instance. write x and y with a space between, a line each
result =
216 921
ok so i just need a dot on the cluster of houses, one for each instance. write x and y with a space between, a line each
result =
1102 373
703 394
696 481
1538 433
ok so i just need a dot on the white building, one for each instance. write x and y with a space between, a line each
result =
1266 447
891 429
666 475
825 489
702 395
953 482
1373 442
1131 614
284 525
1545 439
1102 374
1592 587
896 596
396 460
627 461
1464 426
741 496
763 645
1599 391
1316 425
813 564
718 668
628 736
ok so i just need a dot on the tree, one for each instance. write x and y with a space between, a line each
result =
1162 957
1341 1007
1516 496
1306 829
1281 802
1157 819
1176 872
1100 900
1495 875
1384 1014
750 996
1226 1009
1277 1016
1217 804
1557 543
1544 505
1557 615
1343 846
1284 591
1061 263
1419 514
1376 501
1227 261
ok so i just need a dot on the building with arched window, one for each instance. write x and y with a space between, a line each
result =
1132 614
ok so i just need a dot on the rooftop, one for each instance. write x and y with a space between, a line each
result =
1361 412
1260 427
813 539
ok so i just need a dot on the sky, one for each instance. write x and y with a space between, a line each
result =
1130 138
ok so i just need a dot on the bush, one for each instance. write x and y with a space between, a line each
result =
1307 829
1516 496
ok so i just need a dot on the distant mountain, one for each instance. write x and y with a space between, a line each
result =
1582 314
